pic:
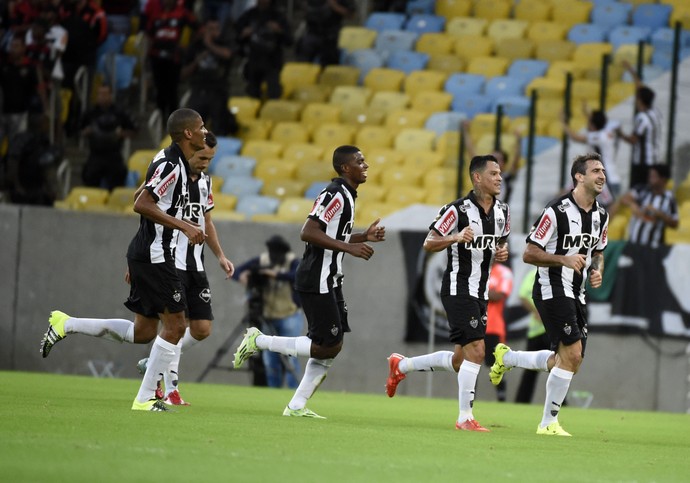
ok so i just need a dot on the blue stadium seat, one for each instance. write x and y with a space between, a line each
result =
112 44
364 60
381 21
422 23
626 34
586 33
441 122
391 40
471 104
662 39
664 58
314 189
233 165
611 15
241 186
460 84
528 69
652 15
513 106
420 6
407 61
503 85
257 205
228 146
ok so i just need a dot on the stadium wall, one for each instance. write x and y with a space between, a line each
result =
75 262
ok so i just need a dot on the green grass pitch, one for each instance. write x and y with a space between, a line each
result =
56 428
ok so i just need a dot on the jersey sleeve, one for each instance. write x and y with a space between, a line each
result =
209 203
543 229
506 228
326 207
604 238
162 175
446 220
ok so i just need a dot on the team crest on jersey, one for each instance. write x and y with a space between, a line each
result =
567 329
501 223
596 225
205 295
462 208
177 296
564 206
474 323
334 330
203 191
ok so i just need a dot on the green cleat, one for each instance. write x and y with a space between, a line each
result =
498 369
247 347
301 413
155 405
55 332
553 429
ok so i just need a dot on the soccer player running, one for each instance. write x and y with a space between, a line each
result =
566 244
189 260
319 280
473 230
156 291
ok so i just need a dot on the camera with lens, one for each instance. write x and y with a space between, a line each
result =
256 283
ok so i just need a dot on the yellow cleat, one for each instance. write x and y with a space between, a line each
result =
55 332
498 369
154 405
553 429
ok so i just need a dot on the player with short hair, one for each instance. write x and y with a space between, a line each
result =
473 230
567 245
319 280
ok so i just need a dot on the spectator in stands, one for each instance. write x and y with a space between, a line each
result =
600 139
19 15
263 31
653 208
507 163
106 126
164 30
207 66
323 19
390 6
646 135
500 287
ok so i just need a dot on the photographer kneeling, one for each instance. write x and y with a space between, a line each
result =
273 305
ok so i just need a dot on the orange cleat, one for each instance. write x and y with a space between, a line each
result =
394 374
471 425
175 399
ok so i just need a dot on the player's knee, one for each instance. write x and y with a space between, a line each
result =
200 330
322 352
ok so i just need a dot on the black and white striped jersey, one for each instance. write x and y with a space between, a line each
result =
565 229
167 182
646 150
191 257
320 269
469 264
650 232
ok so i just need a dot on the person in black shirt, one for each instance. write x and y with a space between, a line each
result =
324 19
473 231
328 236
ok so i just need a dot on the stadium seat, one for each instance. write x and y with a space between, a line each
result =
414 139
275 169
471 104
590 55
532 10
228 146
440 122
472 46
407 61
398 119
504 86
585 90
380 21
462 26
546 87
373 137
448 63
662 38
113 44
415 7
488 66
244 108
241 186
546 31
277 110
364 60
527 69
439 177
373 193
317 113
289 132
431 101
233 165
295 74
559 68
453 8
541 144
384 79
351 38
507 28
139 162
350 96
396 176
423 80
388 101
255 129
681 13
464 84
514 49
313 171
571 12
586 33
251 205
223 202
261 149
359 116
651 15
492 9
339 75
121 199
513 106
610 15
405 195
310 93
331 135
394 40
84 198
423 160
626 34
294 209
552 50
424 23
381 159
485 123
371 211
302 152
315 188
119 67
435 43
283 188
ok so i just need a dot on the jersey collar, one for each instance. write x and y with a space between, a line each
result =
342 182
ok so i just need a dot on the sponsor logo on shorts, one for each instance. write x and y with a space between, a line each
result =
567 329
543 228
447 223
205 295
474 323
334 330
177 296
